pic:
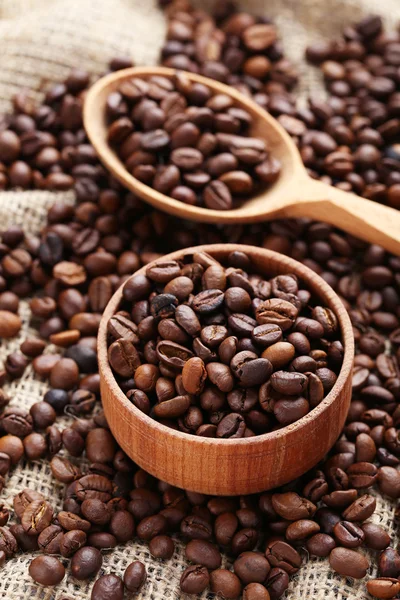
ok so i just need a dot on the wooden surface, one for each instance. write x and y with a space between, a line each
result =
231 467
293 195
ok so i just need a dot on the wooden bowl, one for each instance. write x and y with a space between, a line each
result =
231 466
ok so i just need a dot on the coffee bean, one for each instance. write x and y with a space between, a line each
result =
122 525
383 587
251 567
389 563
375 536
123 357
10 324
361 509
320 544
70 521
348 534
291 506
102 540
162 546
255 591
196 528
225 583
348 563
100 445
135 576
71 542
108 586
63 470
203 553
47 570
283 556
50 538
388 481
86 562
36 517
194 579
301 529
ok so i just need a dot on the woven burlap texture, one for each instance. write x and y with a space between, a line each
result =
40 41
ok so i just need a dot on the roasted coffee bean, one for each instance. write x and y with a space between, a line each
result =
161 546
70 521
361 509
71 542
96 511
122 526
108 586
123 357
196 528
100 446
348 534
194 579
50 538
102 540
383 587
4 515
348 563
24 499
13 447
151 526
320 544
36 517
135 576
291 506
63 470
86 562
47 570
389 563
10 324
283 556
291 384
231 426
27 543
203 553
375 536
389 481
251 567
243 540
301 529
225 583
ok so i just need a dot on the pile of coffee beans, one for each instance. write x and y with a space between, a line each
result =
352 139
220 351
70 271
188 142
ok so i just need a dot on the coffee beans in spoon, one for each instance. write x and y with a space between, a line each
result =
221 351
188 142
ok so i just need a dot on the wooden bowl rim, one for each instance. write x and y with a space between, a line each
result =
299 269
248 208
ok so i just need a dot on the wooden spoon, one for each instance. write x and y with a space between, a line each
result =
294 194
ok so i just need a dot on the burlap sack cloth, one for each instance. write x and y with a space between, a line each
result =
40 41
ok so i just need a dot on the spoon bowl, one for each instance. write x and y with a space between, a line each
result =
294 194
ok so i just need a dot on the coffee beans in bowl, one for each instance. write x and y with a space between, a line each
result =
222 343
187 141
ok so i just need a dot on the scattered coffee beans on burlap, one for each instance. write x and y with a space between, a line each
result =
100 242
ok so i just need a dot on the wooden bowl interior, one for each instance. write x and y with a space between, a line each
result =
231 467
264 126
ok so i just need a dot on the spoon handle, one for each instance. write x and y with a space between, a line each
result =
368 220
